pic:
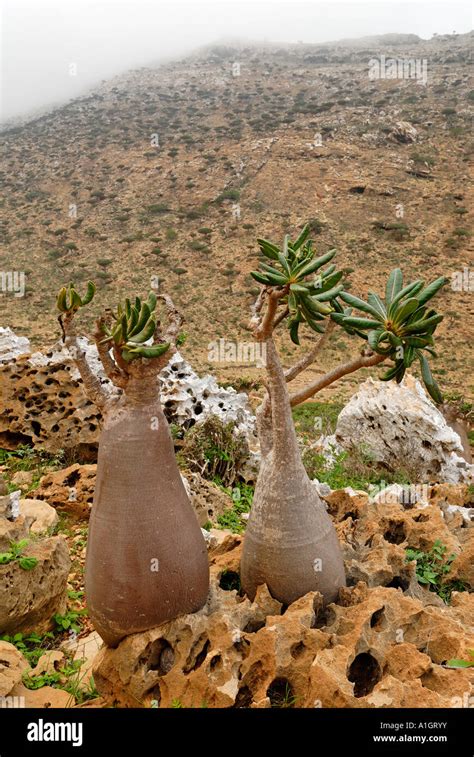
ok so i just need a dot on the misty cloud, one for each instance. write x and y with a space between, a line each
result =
55 50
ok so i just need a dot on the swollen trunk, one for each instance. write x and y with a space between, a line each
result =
290 542
146 556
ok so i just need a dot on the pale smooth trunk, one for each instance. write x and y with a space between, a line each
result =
146 557
290 542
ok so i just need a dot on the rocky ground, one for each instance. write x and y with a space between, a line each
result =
388 641
400 634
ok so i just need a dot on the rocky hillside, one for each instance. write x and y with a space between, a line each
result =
173 171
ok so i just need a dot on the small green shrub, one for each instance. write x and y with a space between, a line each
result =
432 568
198 246
51 679
157 209
423 159
214 450
228 194
316 225
15 553
242 496
31 645
70 621
355 468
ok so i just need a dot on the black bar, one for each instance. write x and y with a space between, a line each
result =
359 731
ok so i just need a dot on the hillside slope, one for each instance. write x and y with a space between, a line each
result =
144 176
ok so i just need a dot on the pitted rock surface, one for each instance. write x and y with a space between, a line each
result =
71 490
44 403
30 598
384 643
401 427
375 648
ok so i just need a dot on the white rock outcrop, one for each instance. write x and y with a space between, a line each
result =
188 398
41 413
401 427
43 517
12 345
404 132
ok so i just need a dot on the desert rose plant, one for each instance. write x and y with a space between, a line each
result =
290 543
146 557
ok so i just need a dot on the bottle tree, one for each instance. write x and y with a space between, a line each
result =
146 559
290 543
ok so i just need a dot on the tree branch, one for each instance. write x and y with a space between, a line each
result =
364 361
263 328
92 385
280 318
122 364
175 319
259 302
307 359
113 372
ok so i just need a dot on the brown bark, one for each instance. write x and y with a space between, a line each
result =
285 444
112 371
264 426
175 319
363 361
146 556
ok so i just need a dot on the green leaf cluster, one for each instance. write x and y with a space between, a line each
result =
32 645
401 326
56 679
309 301
462 663
135 324
70 621
432 568
69 301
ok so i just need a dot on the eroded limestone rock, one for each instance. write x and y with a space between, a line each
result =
402 428
30 598
12 665
71 490
375 648
44 402
43 516
12 345
207 499
384 643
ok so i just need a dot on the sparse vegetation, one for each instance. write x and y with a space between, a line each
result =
433 568
215 450
15 553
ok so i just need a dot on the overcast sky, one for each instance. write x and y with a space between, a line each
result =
42 38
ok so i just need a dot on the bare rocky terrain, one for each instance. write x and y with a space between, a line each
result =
146 176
